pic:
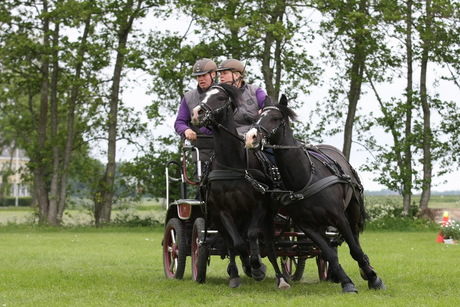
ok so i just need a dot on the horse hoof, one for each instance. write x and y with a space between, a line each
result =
349 288
376 284
235 282
260 273
283 284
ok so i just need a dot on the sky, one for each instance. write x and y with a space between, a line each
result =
137 98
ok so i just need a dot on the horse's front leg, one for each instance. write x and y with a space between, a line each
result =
258 268
268 232
232 231
232 269
330 255
236 245
367 271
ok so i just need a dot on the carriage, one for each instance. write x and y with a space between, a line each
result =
189 233
325 194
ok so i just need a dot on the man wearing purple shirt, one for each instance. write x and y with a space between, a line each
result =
205 72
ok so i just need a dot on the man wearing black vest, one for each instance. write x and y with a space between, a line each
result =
205 72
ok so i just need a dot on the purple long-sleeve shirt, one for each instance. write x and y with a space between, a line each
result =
184 117
260 95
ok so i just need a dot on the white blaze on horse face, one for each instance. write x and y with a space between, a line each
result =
195 114
195 118
209 94
263 114
251 135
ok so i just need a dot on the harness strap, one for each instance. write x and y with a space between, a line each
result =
235 174
310 190
225 175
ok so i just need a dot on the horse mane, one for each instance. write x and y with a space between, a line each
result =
233 92
287 112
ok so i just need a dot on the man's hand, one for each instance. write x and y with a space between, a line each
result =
190 134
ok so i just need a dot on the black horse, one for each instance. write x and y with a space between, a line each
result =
237 209
326 190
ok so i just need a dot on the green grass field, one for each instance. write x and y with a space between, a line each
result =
123 267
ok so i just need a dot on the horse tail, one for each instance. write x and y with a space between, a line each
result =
362 210
358 191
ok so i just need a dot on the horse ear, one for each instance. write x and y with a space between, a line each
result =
283 100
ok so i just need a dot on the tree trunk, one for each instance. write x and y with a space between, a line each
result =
356 79
39 170
427 134
6 172
353 98
54 188
72 102
407 170
104 198
272 66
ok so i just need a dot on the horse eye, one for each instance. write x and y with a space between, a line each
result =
221 98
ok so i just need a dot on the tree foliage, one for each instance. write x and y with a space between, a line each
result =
65 66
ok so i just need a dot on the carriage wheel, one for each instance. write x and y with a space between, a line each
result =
293 266
174 249
323 267
199 251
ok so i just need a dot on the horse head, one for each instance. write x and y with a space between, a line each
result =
271 126
215 104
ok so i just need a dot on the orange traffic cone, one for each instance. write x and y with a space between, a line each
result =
445 219
445 222
440 238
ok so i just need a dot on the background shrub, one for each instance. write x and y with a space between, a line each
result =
451 230
129 218
386 213
11 201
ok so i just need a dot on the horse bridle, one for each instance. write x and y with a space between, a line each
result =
267 133
210 113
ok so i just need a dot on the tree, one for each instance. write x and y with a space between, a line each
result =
120 16
437 38
49 83
415 140
396 160
265 34
352 40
